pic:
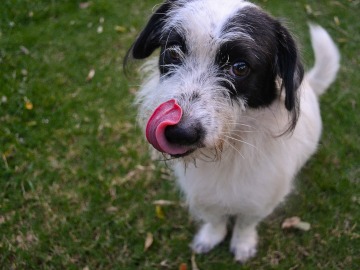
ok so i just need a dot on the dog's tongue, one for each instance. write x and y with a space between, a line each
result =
167 114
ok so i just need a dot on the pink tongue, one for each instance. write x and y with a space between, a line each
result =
168 113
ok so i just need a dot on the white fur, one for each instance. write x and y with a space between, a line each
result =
327 62
253 169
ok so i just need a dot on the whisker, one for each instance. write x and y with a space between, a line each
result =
242 141
233 147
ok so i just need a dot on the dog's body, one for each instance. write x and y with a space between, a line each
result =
229 99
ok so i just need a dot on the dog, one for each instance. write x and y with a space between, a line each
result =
227 102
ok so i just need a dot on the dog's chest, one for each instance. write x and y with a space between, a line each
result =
231 187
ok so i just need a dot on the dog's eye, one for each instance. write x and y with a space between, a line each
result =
239 69
173 55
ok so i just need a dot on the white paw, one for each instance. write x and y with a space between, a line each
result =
243 246
208 237
243 252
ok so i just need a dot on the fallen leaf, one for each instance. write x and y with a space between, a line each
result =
308 9
100 29
148 241
91 75
5 161
112 209
10 152
295 222
163 202
290 222
28 105
19 239
24 50
31 238
183 266
193 263
24 72
336 20
159 212
32 123
304 226
120 29
84 5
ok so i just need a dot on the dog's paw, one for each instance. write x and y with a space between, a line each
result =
243 252
208 237
243 245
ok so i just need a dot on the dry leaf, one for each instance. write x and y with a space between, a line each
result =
91 75
31 238
183 266
24 72
112 209
290 222
193 263
84 5
4 99
120 29
163 202
295 222
336 20
10 152
28 105
148 241
159 212
31 123
100 29
304 226
24 50
308 9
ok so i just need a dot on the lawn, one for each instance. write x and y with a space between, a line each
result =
77 187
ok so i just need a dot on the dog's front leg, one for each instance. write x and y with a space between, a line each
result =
244 238
210 234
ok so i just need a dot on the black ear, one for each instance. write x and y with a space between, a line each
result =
149 38
290 68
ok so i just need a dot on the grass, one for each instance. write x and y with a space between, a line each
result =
77 184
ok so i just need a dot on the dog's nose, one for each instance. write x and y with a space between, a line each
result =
184 134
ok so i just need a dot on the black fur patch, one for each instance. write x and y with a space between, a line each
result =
171 39
149 38
270 52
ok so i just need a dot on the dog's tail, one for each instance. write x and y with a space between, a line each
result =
327 60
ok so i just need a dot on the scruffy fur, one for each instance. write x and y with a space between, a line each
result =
255 131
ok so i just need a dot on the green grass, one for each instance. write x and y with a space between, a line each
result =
77 184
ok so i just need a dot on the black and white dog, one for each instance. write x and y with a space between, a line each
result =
229 103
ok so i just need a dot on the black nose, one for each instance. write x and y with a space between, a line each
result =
184 134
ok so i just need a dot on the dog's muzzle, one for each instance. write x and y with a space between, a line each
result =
168 134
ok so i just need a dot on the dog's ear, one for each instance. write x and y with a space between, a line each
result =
149 38
290 70
289 66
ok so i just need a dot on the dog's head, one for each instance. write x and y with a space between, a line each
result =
217 60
